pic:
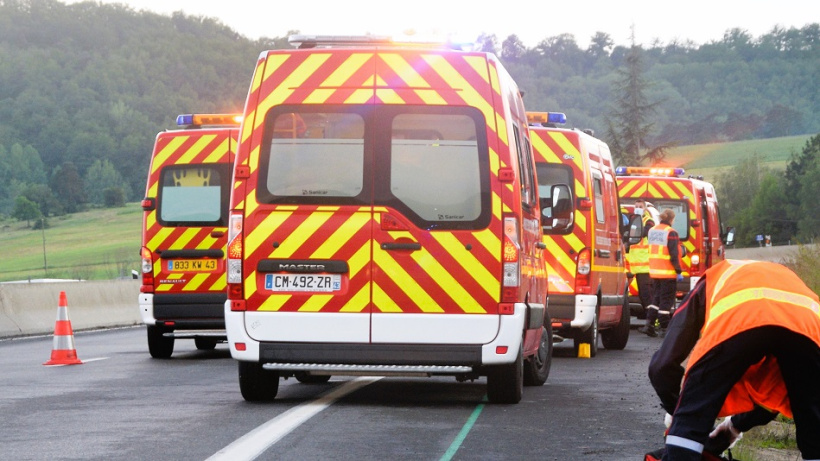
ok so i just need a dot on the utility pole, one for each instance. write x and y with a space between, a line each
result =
43 228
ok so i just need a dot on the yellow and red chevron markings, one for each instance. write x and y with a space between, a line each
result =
204 147
442 277
552 147
671 189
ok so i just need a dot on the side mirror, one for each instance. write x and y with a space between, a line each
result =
562 211
635 230
729 237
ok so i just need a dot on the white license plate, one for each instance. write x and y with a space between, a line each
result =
303 282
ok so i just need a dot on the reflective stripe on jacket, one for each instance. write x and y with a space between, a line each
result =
660 266
742 295
638 256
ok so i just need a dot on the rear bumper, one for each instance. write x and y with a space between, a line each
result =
502 349
573 311
187 311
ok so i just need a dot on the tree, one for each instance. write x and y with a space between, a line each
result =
793 179
101 176
512 48
25 209
69 187
736 187
629 125
487 43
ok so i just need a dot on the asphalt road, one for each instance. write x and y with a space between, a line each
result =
121 404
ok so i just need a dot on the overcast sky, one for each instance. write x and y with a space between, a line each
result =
700 21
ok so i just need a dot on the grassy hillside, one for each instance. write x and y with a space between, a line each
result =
97 244
709 160
104 243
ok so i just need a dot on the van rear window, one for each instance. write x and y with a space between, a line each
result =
431 163
551 174
681 209
193 195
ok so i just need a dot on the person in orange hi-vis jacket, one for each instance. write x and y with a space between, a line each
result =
665 271
751 332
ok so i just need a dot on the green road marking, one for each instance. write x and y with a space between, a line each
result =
448 455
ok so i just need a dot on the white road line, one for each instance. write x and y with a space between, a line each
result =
255 442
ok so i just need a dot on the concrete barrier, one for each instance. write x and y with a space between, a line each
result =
31 308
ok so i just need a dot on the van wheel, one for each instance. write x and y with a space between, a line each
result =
505 383
590 336
160 347
537 367
617 337
305 378
256 383
205 344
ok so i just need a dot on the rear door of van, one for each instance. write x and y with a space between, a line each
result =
374 218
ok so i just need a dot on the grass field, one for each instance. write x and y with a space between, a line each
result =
92 245
104 243
709 160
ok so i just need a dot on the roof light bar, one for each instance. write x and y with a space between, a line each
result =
546 117
648 171
329 41
209 119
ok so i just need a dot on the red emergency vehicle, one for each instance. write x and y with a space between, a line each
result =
185 222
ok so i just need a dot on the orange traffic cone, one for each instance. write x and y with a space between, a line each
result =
63 351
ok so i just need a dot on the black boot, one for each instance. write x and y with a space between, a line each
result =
648 330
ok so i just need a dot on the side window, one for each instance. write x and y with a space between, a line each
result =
600 212
526 177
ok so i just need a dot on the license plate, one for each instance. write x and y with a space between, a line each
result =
303 282
191 265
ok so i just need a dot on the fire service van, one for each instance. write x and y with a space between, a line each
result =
582 229
697 215
185 223
385 220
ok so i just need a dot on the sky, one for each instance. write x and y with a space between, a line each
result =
699 21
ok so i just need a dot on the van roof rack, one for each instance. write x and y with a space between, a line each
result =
340 41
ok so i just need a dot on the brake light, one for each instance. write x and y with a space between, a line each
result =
582 275
694 262
234 260
147 267
509 259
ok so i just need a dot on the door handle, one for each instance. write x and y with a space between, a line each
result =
604 253
541 245
410 246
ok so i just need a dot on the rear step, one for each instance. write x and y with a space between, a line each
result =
380 370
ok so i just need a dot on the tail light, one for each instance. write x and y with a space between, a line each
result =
510 259
694 262
234 260
147 267
582 275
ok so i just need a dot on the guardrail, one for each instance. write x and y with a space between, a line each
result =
30 308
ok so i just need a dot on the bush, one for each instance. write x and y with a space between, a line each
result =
114 197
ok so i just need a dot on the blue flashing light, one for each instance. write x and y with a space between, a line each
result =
556 117
620 171
185 119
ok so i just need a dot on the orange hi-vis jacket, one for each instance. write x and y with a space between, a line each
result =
638 256
740 296
660 265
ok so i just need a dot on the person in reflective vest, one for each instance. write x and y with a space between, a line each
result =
665 271
638 261
751 332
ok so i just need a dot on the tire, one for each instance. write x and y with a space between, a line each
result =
256 383
616 338
505 383
306 378
205 344
537 367
590 335
160 347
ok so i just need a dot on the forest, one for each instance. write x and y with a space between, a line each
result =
84 89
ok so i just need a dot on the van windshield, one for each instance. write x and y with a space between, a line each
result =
551 174
681 209
193 195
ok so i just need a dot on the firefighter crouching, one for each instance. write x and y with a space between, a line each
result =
638 259
753 330
665 271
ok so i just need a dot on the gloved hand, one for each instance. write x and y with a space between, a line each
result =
726 430
667 420
680 277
